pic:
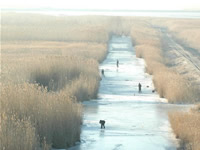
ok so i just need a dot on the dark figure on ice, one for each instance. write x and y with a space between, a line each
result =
117 63
102 72
102 122
140 88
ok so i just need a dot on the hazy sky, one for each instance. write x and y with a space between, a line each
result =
104 4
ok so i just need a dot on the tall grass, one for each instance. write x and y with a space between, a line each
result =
17 134
186 128
54 117
184 124
48 101
185 30
58 116
33 27
68 73
168 83
49 64
20 57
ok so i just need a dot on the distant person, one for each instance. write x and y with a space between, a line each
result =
102 72
102 122
117 63
140 88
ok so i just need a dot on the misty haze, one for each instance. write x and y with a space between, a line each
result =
100 75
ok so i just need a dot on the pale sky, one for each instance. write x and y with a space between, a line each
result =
104 4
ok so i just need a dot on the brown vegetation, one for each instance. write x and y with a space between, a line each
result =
168 83
46 68
186 127
185 124
50 62
31 114
34 27
20 59
185 30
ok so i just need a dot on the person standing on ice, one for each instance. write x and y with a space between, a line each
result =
117 63
140 88
102 72
102 122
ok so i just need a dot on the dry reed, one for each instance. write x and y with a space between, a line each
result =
33 27
168 83
184 124
48 64
185 31
51 116
186 127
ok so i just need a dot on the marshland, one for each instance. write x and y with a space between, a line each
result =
50 75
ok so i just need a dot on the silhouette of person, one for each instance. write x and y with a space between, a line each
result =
140 88
117 63
102 72
102 122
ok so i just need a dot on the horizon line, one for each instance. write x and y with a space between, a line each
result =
102 10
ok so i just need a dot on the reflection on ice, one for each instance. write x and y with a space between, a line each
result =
134 121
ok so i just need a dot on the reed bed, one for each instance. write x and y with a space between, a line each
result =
186 127
172 85
185 31
19 58
61 81
53 87
62 73
49 64
33 27
168 83
39 116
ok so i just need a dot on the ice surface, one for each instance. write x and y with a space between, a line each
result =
134 121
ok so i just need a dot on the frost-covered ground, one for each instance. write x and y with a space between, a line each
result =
134 121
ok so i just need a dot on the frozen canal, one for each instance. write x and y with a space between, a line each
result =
134 121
